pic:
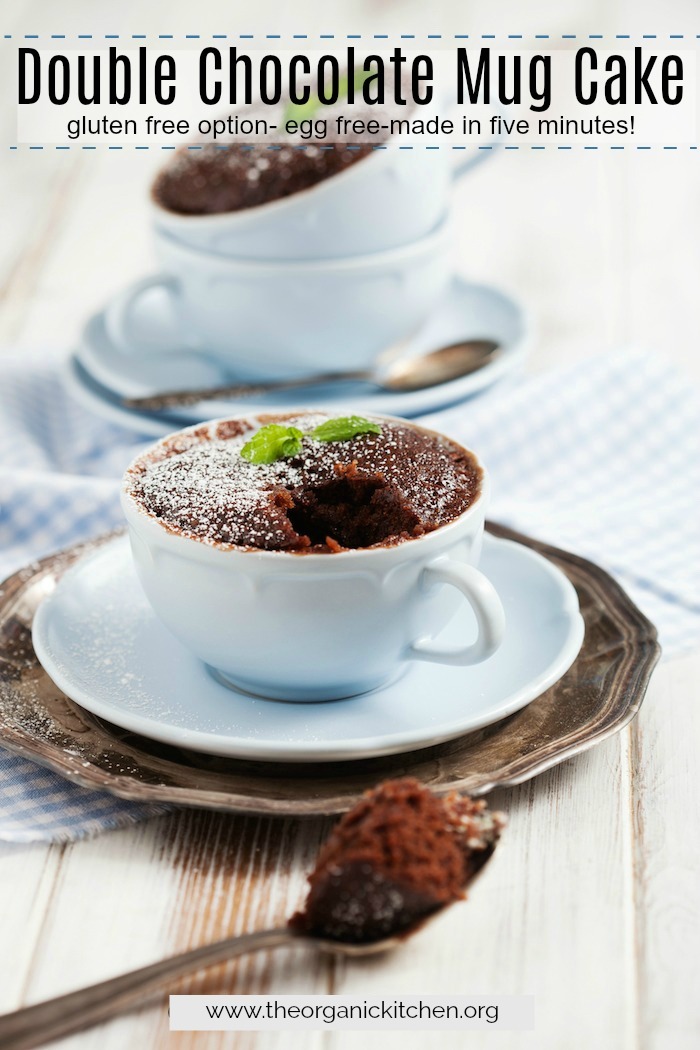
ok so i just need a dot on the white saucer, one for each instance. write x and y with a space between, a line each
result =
468 310
107 406
98 639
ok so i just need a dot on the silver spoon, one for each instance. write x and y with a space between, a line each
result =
34 1025
416 373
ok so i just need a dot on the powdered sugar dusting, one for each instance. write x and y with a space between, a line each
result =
222 177
199 485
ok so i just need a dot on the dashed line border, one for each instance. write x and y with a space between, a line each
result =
351 36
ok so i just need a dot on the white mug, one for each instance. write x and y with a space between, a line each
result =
387 199
308 627
281 320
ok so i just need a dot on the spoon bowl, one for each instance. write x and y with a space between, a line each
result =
421 372
439 366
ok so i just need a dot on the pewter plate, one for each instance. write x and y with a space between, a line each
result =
597 696
98 638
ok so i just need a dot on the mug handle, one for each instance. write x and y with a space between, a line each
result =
463 163
487 608
119 315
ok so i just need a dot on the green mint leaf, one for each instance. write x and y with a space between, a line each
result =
271 443
309 109
344 428
304 111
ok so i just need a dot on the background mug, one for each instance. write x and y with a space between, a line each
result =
279 320
387 199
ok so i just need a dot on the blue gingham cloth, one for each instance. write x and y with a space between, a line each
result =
602 458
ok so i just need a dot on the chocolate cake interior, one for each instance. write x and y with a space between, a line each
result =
352 511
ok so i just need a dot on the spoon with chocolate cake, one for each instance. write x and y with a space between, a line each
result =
398 858
403 376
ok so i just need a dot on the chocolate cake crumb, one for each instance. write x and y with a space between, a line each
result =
398 855
231 428
375 489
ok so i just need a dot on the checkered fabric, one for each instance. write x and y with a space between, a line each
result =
601 458
59 483
36 805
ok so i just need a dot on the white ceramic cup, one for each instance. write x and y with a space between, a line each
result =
308 627
279 320
388 199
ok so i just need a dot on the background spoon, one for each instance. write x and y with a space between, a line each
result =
416 373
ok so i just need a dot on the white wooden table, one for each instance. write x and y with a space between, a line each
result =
592 903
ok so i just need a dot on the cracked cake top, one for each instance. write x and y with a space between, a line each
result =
320 494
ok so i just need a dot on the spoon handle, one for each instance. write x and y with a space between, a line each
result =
34 1025
177 398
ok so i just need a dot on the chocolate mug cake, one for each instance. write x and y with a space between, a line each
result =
305 483
215 178
307 557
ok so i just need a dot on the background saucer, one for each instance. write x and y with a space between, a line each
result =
97 399
468 310
99 640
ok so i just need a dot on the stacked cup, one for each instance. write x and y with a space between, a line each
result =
322 280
